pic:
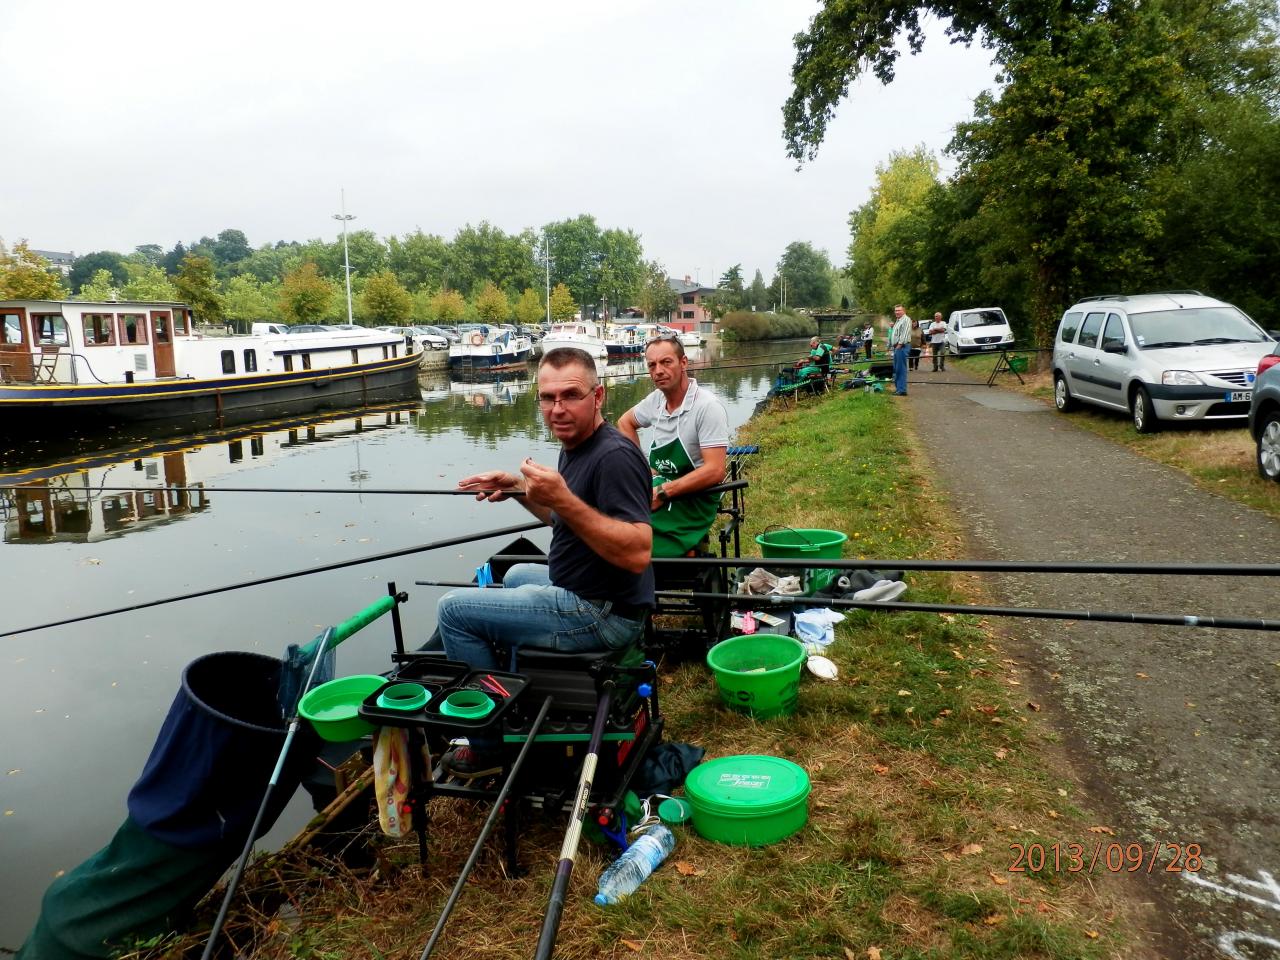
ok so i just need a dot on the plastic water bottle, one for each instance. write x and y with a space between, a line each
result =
624 876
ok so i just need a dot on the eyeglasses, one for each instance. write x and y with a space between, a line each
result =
565 400
663 338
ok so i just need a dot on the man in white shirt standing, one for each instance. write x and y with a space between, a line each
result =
900 344
938 342
686 451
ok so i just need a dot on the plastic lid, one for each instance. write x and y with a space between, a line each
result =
747 786
673 811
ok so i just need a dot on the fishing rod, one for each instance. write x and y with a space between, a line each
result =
569 850
452 492
391 554
965 566
331 638
1034 613
484 831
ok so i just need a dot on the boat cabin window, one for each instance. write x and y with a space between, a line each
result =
160 324
49 328
288 361
355 356
10 328
306 361
250 361
395 350
228 361
99 329
386 351
180 322
133 328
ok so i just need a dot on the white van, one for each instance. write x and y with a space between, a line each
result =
269 329
978 329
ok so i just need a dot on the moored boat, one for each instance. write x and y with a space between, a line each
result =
489 348
582 334
88 362
627 341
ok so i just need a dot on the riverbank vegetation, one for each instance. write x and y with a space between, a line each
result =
1129 146
742 325
926 758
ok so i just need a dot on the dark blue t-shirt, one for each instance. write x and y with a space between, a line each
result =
607 472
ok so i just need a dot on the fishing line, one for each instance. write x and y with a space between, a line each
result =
439 544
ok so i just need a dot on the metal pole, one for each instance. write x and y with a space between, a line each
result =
346 259
546 260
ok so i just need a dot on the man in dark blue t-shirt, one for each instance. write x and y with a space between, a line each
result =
597 586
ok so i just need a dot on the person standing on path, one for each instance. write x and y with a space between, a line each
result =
868 338
937 341
917 345
900 345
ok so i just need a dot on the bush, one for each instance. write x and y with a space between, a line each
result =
746 325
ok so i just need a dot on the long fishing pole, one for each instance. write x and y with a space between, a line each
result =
965 566
451 492
484 831
1033 613
569 850
332 637
391 554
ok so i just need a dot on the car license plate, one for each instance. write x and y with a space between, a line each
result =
1239 396
991 346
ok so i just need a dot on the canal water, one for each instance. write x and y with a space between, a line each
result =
80 705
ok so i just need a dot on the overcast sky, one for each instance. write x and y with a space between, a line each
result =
149 122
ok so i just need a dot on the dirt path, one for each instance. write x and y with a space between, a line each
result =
1175 730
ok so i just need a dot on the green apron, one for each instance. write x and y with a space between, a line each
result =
681 525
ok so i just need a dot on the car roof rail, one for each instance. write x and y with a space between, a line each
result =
1173 293
1103 296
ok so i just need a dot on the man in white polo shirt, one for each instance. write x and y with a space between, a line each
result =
686 451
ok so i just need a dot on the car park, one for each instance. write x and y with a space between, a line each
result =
311 328
425 341
1178 356
978 330
438 332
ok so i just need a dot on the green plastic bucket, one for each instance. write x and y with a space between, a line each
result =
1018 364
748 800
805 544
333 708
758 674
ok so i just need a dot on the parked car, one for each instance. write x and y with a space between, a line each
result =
312 328
978 329
1264 415
1159 357
438 332
425 341
267 328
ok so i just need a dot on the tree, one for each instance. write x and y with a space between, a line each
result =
563 306
245 300
26 276
731 284
529 309
447 306
89 264
491 304
196 286
384 301
656 298
419 259
575 256
620 268
757 295
147 282
100 287
305 296
173 259
152 253
808 275
886 230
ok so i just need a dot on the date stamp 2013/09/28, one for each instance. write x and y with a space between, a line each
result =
1113 857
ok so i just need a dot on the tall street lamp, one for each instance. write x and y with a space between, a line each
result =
346 257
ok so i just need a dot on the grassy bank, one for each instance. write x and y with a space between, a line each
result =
925 758
1216 456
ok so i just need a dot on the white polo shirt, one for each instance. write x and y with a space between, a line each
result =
700 421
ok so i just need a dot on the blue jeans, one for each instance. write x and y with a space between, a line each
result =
900 369
478 626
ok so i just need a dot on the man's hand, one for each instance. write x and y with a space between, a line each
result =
656 501
543 486
497 481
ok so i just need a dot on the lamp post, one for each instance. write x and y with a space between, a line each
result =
546 260
346 257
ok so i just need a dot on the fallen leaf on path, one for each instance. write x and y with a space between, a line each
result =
969 848
986 709
948 856
635 945
1107 830
994 919
904 693
1091 934
1053 814
880 769
1001 881
1142 676
1001 753
1033 706
687 869
1043 907
873 953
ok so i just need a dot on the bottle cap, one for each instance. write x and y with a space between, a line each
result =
674 811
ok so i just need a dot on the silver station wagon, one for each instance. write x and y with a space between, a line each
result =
1158 357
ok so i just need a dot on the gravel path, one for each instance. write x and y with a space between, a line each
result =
1173 730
